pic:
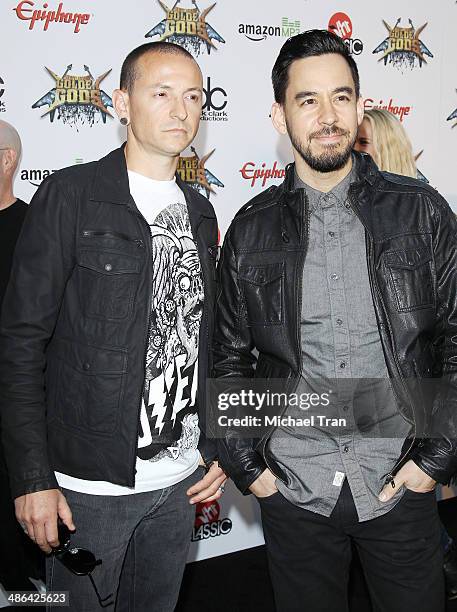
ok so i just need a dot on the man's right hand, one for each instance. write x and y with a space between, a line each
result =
38 512
264 485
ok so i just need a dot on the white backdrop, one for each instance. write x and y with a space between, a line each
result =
86 40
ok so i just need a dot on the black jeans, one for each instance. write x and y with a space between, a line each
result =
309 555
143 541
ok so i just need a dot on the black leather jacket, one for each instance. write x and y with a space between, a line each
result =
75 324
409 228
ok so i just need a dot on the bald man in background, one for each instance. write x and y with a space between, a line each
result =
12 210
19 558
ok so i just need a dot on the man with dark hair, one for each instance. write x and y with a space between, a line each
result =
315 44
344 279
104 353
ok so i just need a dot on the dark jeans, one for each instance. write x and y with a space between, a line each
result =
309 555
143 541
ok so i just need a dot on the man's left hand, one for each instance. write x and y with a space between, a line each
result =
412 477
209 487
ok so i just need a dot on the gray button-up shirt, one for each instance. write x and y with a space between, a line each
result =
341 354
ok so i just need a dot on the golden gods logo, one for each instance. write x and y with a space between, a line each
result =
77 99
452 116
402 47
192 170
186 27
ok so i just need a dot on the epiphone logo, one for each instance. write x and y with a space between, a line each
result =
250 172
25 10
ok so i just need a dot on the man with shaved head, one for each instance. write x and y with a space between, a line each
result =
104 351
12 210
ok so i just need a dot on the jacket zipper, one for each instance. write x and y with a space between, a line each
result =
147 333
303 253
389 478
95 233
205 317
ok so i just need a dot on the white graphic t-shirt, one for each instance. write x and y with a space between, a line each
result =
171 375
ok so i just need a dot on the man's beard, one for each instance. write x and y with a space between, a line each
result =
330 160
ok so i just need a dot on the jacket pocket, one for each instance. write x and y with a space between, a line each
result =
89 387
262 289
107 283
410 278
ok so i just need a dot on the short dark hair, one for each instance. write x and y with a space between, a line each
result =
129 71
308 44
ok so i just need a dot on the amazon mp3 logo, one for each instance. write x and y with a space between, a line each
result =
34 176
257 32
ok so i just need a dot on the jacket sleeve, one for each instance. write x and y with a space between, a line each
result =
42 262
232 355
437 456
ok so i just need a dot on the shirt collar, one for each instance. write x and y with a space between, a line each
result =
337 196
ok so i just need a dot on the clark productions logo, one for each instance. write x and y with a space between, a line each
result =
186 27
257 32
453 116
214 103
403 48
77 99
207 522
26 12
192 171
341 25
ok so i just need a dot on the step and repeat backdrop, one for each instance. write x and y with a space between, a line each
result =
61 61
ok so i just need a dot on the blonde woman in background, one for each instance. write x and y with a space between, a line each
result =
382 136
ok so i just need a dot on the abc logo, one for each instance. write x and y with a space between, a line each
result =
214 98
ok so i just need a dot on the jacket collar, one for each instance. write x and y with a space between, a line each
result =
111 181
111 184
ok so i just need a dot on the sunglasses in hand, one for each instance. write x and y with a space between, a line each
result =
79 561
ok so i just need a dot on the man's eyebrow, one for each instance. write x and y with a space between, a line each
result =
344 89
168 87
306 94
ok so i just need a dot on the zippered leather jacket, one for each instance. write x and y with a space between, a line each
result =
411 247
75 326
